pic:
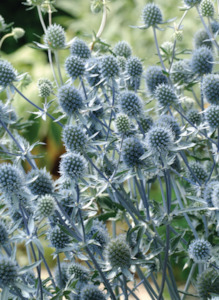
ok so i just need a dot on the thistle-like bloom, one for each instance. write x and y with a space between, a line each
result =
46 205
8 272
118 253
207 8
78 272
122 124
55 37
73 165
45 87
181 72
152 15
79 48
198 172
74 138
109 67
70 99
40 182
200 250
201 38
208 192
7 73
100 234
146 123
210 88
172 123
122 48
207 283
11 179
159 139
165 95
194 116
74 66
192 2
212 116
58 238
132 150
202 61
154 76
130 104
91 292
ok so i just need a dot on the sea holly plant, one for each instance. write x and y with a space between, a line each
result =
128 129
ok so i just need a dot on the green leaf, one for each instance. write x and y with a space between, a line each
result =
30 267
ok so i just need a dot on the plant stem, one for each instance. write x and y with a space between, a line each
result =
158 49
58 66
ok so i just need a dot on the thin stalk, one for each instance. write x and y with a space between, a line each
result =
125 288
147 286
102 25
5 37
188 281
83 87
79 210
143 195
158 49
36 106
59 268
58 66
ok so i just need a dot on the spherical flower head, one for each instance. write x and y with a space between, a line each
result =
74 66
93 72
122 124
192 2
130 104
207 8
134 67
61 282
152 15
91 292
70 99
201 39
100 234
159 139
212 116
58 238
208 282
197 173
3 234
73 165
45 87
146 123
208 192
109 66
214 26
210 88
46 205
154 77
40 182
55 37
194 116
78 271
74 138
122 48
181 72
200 250
172 123
215 196
8 272
11 179
7 73
132 150
79 48
165 95
202 61
118 253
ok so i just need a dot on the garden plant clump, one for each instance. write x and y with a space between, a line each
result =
136 192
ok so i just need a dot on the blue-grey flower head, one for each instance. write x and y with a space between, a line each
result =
201 38
165 95
212 116
11 179
70 99
109 67
207 8
192 2
130 103
146 122
202 61
74 137
45 87
55 37
200 250
181 72
197 172
207 283
74 66
132 150
100 234
118 253
7 73
8 272
208 192
210 88
78 272
134 67
152 15
58 238
73 165
40 182
154 76
159 139
170 121
79 48
46 205
194 116
122 124
91 292
122 48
